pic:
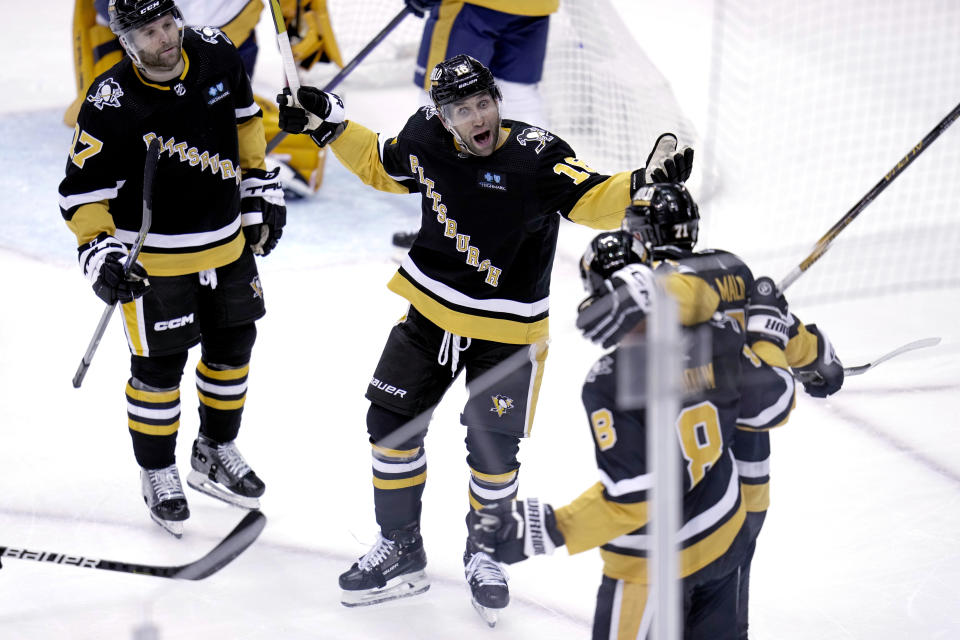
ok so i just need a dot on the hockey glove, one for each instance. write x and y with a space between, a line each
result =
768 315
515 531
609 317
102 260
823 376
320 115
262 209
665 163
421 7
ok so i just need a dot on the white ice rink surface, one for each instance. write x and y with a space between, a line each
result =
862 540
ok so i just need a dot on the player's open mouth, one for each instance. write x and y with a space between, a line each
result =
482 139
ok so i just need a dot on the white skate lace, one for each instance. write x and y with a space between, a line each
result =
231 459
482 569
166 483
377 554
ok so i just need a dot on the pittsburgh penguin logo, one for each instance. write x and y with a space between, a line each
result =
209 34
534 135
501 404
257 287
108 94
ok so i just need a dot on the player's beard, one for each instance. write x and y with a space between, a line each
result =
163 61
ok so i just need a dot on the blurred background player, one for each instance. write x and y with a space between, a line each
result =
508 36
667 219
721 383
477 278
96 49
186 87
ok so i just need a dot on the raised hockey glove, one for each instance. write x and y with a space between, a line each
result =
515 531
823 376
102 260
768 315
666 163
320 114
262 209
421 7
606 319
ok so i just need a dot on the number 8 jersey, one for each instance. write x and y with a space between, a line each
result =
613 514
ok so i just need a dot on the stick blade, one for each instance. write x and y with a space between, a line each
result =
236 542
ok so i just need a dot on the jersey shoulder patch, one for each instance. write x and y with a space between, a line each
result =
531 137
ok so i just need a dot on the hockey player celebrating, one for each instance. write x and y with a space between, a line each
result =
666 218
477 279
724 381
214 207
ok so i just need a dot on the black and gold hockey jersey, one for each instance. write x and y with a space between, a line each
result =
613 514
210 130
764 405
480 266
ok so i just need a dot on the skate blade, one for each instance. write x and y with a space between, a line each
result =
490 616
203 484
173 527
400 587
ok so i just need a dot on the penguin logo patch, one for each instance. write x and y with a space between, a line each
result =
108 94
534 135
257 287
501 404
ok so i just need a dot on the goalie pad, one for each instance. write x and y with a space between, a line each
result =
95 49
311 34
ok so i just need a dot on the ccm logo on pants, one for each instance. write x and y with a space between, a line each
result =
176 323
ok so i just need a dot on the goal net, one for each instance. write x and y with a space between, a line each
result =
811 105
609 117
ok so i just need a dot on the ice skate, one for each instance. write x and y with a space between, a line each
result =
163 495
488 585
221 472
393 568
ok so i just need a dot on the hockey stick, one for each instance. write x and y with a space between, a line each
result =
811 376
149 172
289 66
824 243
242 536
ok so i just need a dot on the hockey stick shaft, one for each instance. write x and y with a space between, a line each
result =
343 73
149 173
235 542
286 53
824 243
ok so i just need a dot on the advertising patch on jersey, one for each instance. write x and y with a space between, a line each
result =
534 135
217 92
501 404
108 94
487 179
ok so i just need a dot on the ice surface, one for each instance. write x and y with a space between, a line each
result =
861 540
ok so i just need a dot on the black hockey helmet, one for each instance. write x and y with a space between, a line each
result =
132 14
127 15
663 214
459 77
606 253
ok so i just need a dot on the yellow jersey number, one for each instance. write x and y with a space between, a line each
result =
91 148
701 441
567 168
